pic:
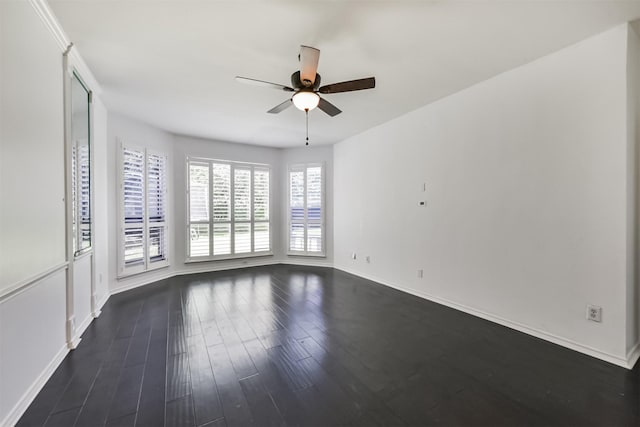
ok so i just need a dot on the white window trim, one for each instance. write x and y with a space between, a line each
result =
74 239
302 167
252 166
123 270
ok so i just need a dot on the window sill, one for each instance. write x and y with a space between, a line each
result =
228 258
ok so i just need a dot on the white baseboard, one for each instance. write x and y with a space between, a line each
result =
564 342
83 326
633 355
19 409
101 304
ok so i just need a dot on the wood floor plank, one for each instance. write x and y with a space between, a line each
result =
96 407
153 393
261 404
206 400
178 377
180 412
63 419
125 400
234 404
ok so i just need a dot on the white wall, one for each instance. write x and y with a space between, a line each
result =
290 156
31 144
526 214
633 186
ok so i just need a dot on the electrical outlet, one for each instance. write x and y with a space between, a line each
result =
420 274
594 313
353 255
368 259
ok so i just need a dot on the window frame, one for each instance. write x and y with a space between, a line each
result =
303 167
147 263
252 167
74 186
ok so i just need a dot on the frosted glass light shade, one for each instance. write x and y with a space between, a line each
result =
306 100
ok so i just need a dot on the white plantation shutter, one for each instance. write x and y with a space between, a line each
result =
242 195
221 193
238 221
143 237
133 179
242 210
296 211
261 232
156 187
261 195
199 209
156 206
221 209
85 196
306 209
314 209
133 206
81 195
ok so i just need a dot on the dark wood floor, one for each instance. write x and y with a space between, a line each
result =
288 345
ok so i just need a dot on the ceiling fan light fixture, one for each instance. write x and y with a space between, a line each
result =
305 100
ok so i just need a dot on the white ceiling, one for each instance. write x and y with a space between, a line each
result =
172 63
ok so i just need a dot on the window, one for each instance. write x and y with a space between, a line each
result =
228 210
306 210
143 235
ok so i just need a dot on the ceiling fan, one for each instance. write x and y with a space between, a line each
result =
306 86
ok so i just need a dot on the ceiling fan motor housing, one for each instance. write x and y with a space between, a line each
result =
297 83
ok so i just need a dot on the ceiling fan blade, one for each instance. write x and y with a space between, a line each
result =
309 57
351 85
328 107
263 83
280 107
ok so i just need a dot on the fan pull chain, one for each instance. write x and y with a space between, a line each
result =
306 111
